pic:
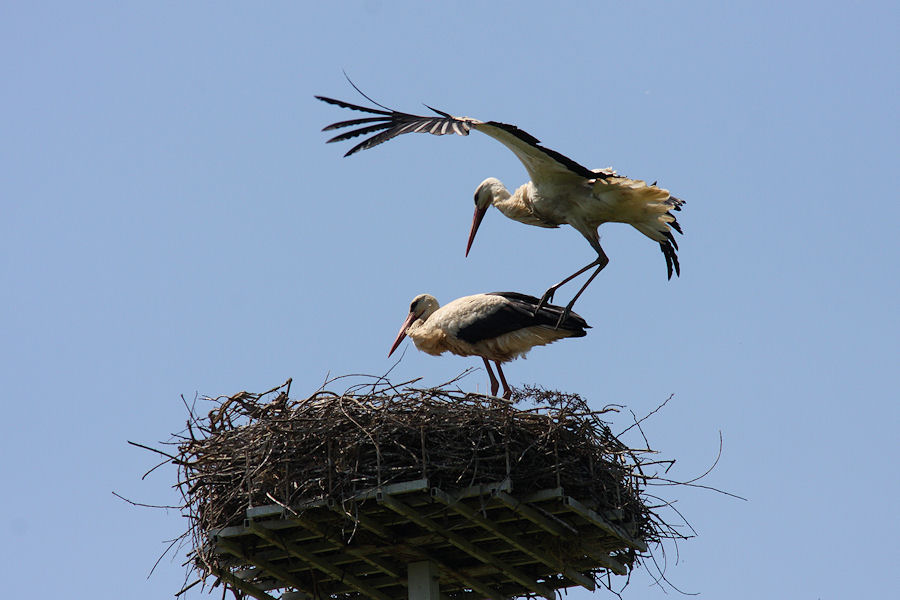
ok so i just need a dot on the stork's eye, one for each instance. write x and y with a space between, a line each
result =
476 198
412 306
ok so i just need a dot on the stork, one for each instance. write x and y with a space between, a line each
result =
498 326
561 191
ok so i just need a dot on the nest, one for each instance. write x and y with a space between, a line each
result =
255 450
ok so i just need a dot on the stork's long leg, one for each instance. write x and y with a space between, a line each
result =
568 309
507 391
601 261
548 295
495 385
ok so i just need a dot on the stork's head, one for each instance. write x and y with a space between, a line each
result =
420 308
484 197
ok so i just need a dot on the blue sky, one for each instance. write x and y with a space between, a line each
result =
173 223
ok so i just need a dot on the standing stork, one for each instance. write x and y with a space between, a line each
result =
561 191
499 326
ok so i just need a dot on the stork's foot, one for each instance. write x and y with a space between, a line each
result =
546 299
565 313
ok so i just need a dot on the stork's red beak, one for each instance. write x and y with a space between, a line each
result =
402 334
476 221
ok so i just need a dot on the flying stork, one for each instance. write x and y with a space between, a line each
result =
498 326
561 191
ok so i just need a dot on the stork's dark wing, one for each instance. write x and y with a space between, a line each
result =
541 163
392 123
518 313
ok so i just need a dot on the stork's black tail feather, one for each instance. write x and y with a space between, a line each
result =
670 246
668 250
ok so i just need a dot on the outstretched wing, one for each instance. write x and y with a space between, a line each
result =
541 163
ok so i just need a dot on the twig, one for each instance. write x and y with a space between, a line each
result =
133 503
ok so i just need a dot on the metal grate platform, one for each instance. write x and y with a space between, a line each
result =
482 542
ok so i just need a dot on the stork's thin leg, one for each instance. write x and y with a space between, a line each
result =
600 263
568 309
548 295
495 385
507 391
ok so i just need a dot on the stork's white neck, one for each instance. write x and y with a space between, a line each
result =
515 206
427 337
518 206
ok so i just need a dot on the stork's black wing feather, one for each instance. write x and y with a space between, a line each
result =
391 124
518 313
352 122
343 104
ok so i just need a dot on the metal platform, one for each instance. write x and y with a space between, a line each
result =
392 542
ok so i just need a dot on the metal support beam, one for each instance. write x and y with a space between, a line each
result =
544 495
613 530
278 572
510 538
280 510
240 584
318 562
466 580
483 489
380 564
367 522
546 522
463 544
385 534
609 562
423 581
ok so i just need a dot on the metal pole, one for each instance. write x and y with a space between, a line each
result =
423 581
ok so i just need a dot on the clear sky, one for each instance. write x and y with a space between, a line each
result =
173 223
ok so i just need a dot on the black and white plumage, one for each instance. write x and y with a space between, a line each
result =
561 191
498 326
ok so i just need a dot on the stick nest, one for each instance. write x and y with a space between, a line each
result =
264 449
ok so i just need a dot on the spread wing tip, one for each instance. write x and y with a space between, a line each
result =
391 123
